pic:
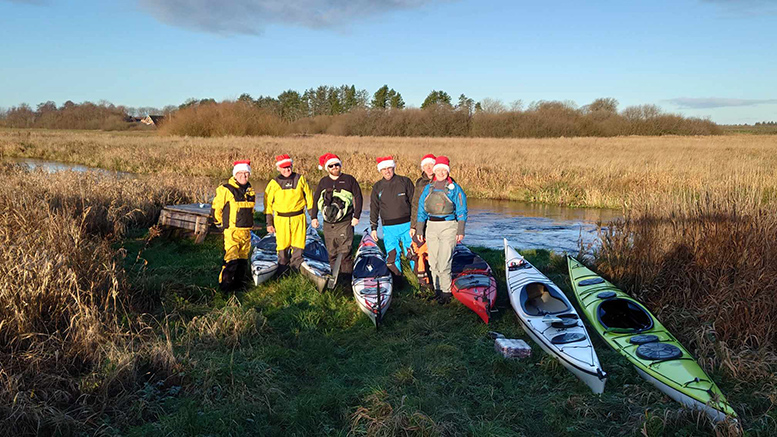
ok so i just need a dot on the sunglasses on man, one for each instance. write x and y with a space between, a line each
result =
333 165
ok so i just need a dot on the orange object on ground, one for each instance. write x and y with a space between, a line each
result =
422 271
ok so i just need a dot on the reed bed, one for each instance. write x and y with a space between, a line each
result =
589 172
70 352
707 267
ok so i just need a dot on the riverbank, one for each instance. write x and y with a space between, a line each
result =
587 172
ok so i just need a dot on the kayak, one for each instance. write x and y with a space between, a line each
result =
315 261
629 328
551 320
372 281
264 258
472 282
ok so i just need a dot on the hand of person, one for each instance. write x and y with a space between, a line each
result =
314 223
270 229
374 235
354 221
459 238
412 232
420 238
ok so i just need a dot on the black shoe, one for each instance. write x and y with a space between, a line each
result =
444 298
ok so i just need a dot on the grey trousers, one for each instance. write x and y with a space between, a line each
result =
440 240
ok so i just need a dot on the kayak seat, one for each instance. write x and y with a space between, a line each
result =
537 300
623 315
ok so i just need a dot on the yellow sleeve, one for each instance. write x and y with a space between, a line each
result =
269 196
218 205
306 191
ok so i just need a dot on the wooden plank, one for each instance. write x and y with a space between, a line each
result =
200 209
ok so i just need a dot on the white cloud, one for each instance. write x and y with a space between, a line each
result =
716 102
252 16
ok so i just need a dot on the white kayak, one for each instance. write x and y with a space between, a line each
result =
264 258
315 261
372 281
551 320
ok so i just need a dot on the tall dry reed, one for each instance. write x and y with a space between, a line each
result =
68 352
706 266
604 172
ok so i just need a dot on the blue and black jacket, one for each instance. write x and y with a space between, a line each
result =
454 192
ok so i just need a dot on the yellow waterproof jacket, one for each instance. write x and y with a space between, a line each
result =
287 197
233 206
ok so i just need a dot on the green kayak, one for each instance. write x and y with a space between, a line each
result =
629 328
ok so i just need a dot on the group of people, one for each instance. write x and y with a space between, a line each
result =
422 221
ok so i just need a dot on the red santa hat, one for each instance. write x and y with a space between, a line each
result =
242 165
427 159
283 161
327 159
442 162
385 162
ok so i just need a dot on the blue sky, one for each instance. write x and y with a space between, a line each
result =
704 58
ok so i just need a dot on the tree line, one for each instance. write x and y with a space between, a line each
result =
346 110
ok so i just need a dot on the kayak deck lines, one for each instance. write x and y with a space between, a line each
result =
631 330
550 320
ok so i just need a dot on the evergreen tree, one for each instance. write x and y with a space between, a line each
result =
395 100
436 98
380 98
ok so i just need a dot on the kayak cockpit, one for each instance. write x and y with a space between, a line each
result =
537 300
623 315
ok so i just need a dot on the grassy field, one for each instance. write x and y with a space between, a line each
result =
589 172
106 328
282 358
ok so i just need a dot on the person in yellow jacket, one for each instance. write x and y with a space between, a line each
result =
285 199
233 211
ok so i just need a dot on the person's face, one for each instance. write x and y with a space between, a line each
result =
285 171
387 173
441 174
334 169
242 177
427 168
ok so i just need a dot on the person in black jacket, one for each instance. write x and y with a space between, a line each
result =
391 202
339 198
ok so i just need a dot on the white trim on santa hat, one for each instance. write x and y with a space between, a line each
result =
427 161
436 166
283 162
241 166
330 161
386 163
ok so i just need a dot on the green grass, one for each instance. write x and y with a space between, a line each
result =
283 359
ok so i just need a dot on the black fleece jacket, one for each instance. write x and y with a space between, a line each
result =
391 201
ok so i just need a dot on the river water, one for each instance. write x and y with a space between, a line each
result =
525 225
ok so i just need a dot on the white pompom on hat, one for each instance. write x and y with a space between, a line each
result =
385 162
442 162
428 159
242 165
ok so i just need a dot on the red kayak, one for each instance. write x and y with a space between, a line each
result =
473 284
